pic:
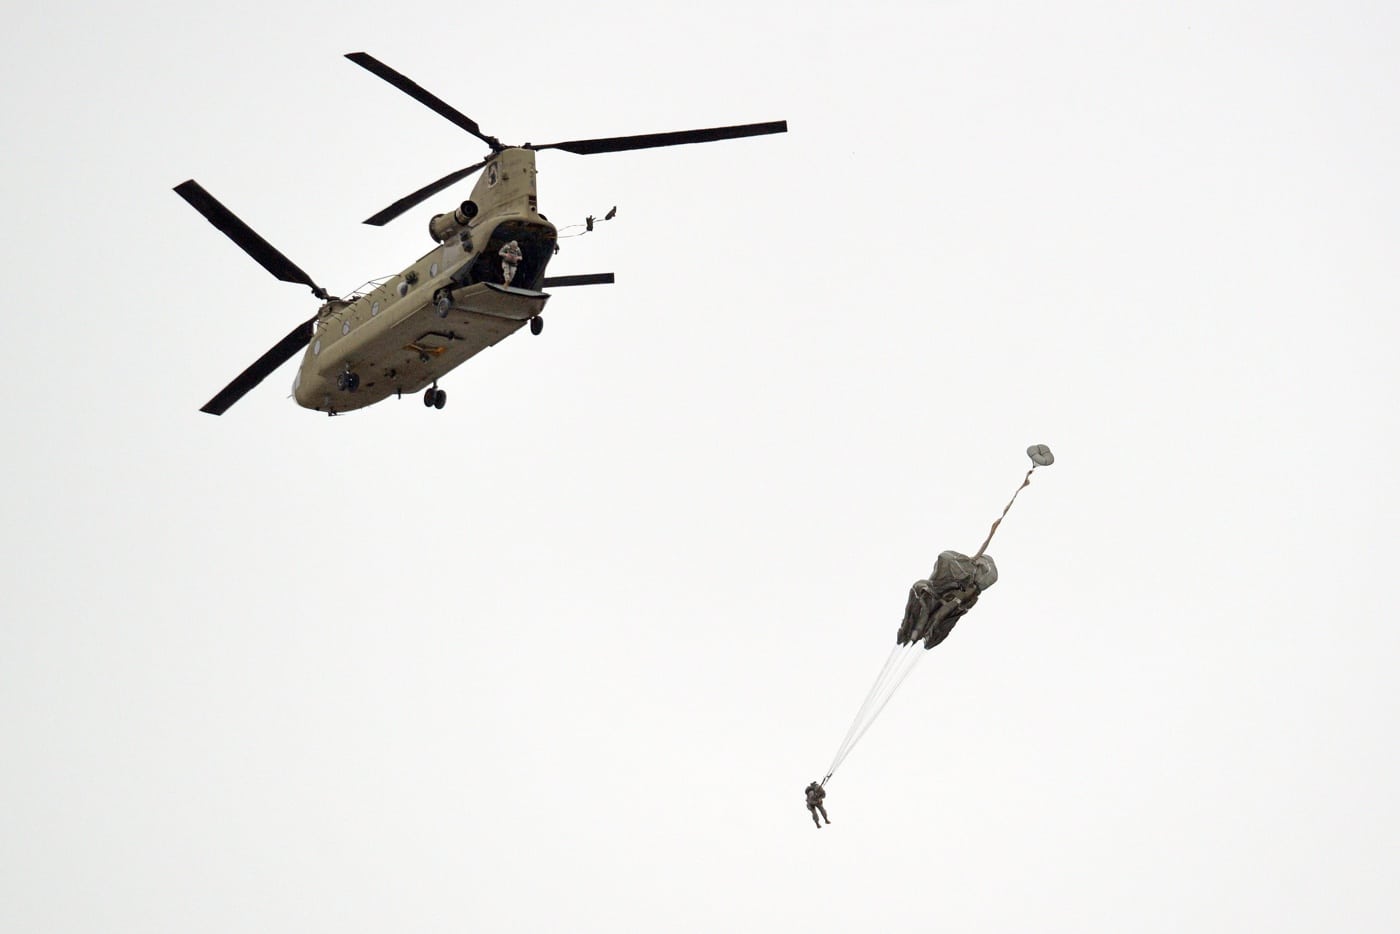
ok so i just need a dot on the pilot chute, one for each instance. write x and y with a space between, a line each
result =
934 606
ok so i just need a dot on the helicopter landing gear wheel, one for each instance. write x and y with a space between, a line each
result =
348 382
536 325
440 398
442 301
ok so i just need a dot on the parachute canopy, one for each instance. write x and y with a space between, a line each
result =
954 569
937 603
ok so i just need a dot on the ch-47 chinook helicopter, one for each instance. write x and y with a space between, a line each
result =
480 283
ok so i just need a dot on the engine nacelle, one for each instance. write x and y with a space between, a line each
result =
444 227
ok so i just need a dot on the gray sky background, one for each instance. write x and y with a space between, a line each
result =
563 655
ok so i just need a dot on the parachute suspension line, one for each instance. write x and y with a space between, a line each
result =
897 667
865 706
910 662
880 696
890 662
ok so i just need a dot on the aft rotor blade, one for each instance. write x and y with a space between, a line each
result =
421 195
259 371
240 233
592 278
376 67
588 147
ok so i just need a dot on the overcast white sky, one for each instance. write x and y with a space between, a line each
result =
562 656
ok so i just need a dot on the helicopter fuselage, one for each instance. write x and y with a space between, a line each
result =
481 282
447 307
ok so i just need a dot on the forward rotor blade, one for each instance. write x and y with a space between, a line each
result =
375 67
592 278
588 147
240 233
421 195
259 371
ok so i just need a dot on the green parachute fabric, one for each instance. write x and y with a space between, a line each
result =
934 606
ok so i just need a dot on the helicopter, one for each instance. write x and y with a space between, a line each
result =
482 281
